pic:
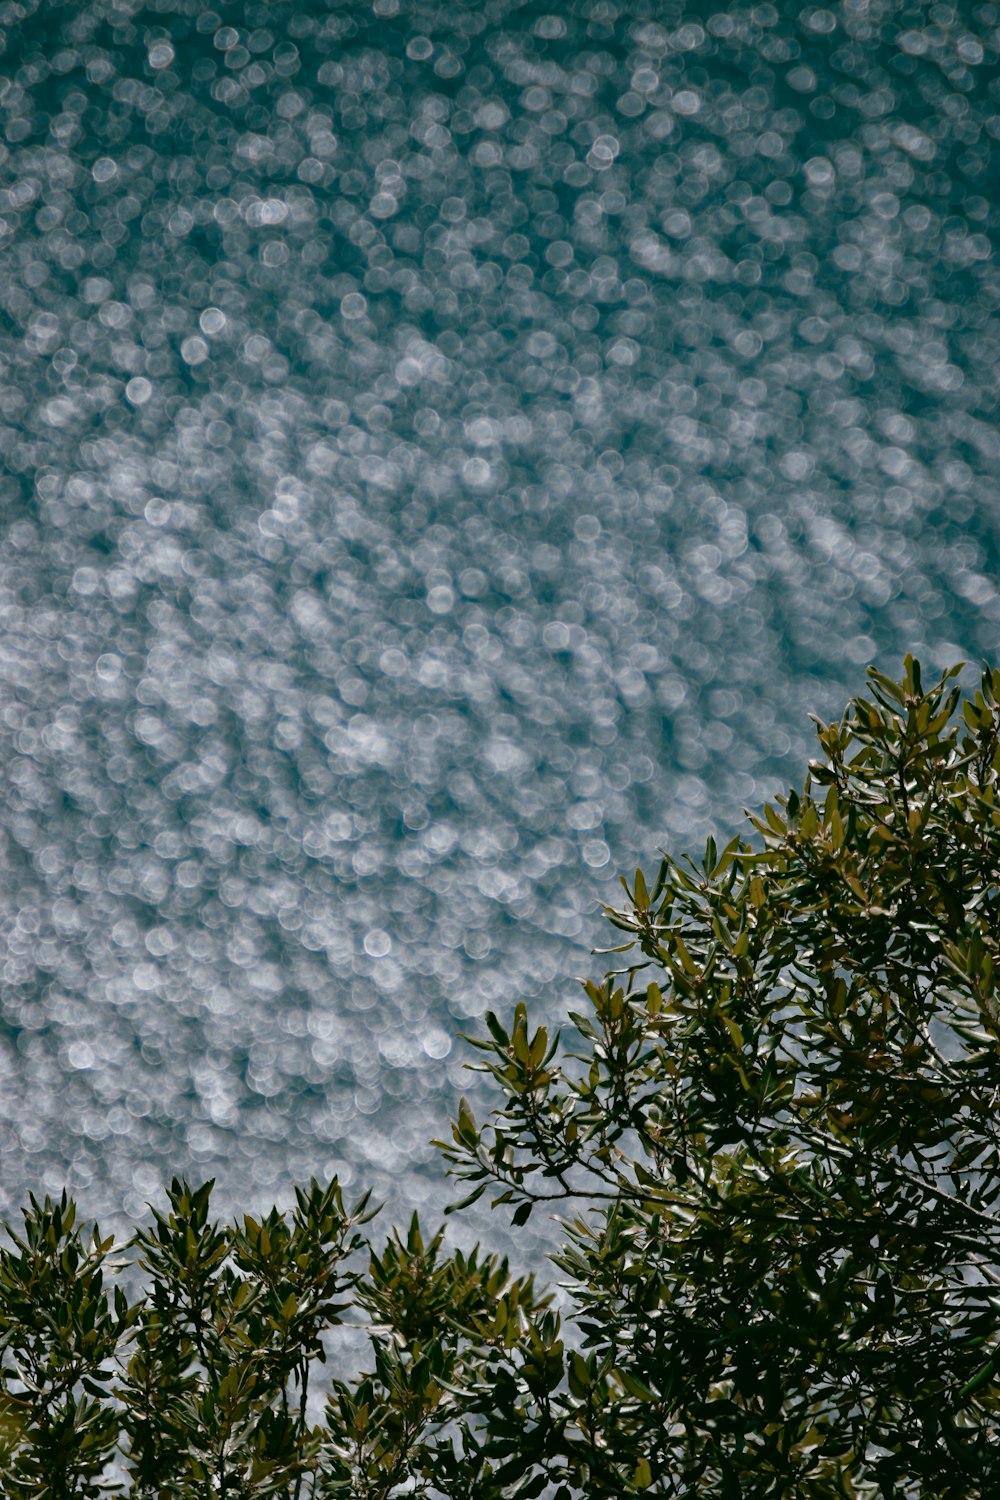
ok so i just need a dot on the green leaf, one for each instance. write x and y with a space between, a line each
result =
467 1127
578 1375
642 1476
539 1047
497 1032
641 894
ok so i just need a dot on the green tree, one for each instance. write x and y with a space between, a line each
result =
59 1329
772 1138
215 1388
775 1135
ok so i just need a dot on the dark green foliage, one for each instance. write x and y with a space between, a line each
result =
59 1329
202 1383
775 1142
216 1387
455 1323
781 1122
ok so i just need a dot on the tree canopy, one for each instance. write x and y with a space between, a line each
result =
771 1134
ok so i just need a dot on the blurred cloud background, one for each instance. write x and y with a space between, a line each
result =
447 450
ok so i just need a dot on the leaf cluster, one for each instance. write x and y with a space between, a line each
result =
775 1135
199 1386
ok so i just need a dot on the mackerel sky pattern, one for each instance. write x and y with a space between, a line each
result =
446 452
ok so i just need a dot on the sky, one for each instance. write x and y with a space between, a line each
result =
447 452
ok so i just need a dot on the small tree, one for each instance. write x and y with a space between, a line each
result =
59 1327
776 1134
201 1384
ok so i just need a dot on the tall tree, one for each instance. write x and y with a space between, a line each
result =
775 1132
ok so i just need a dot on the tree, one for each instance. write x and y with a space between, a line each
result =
776 1132
773 1138
200 1384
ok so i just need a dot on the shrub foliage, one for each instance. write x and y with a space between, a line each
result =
772 1139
